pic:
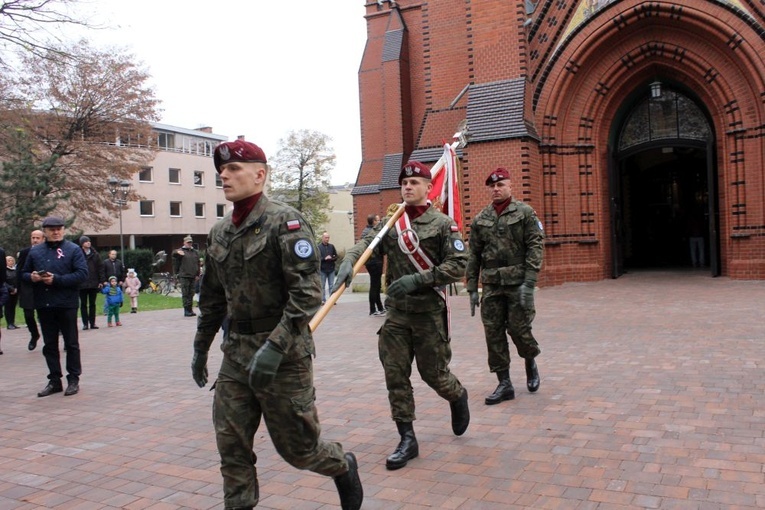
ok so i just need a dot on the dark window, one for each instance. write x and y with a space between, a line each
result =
147 207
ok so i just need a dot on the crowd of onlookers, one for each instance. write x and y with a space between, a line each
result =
49 281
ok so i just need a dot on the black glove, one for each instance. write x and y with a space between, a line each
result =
264 365
199 368
475 302
405 285
527 296
344 276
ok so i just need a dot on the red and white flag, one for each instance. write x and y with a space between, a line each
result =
445 194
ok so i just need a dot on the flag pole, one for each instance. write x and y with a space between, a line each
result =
460 139
324 310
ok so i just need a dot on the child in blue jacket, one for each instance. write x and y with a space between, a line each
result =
113 301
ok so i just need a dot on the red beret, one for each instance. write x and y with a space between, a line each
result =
414 169
500 174
239 150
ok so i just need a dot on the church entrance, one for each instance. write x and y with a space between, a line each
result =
663 182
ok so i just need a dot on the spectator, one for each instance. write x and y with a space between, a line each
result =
3 301
132 287
56 268
90 287
374 267
13 294
113 267
328 256
26 294
186 267
113 293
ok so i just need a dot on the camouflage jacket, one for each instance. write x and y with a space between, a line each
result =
263 275
505 250
440 240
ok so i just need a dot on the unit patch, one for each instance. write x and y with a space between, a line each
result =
303 248
459 245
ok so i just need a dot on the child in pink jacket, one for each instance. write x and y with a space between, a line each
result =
132 284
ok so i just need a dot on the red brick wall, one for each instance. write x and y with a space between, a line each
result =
575 90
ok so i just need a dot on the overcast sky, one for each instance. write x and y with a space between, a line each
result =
256 68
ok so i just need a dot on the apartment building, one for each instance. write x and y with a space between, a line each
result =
181 194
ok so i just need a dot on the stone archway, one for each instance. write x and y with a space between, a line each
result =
662 181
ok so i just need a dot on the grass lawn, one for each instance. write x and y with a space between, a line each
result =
146 302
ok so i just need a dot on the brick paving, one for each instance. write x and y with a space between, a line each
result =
652 396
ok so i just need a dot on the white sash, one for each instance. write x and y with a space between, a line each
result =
410 245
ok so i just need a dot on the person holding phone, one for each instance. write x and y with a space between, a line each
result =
55 269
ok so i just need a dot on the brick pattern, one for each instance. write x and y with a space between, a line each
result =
646 401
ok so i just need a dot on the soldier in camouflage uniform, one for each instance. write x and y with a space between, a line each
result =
416 322
506 250
262 277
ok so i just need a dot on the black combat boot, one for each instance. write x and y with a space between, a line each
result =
460 413
504 391
407 448
188 312
532 375
349 485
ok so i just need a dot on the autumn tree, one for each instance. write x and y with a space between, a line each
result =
25 25
301 172
90 116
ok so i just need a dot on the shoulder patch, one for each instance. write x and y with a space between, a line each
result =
540 225
293 225
454 228
303 248
459 245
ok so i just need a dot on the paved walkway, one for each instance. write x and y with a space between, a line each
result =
652 396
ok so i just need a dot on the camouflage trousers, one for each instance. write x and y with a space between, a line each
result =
287 406
501 311
405 337
187 291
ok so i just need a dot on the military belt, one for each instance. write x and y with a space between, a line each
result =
494 264
254 326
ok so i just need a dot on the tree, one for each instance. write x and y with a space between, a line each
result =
25 187
301 171
89 116
22 22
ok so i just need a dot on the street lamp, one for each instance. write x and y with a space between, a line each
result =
119 190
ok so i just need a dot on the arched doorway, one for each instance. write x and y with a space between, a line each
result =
663 185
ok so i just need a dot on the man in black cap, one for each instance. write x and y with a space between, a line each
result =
506 253
92 285
56 268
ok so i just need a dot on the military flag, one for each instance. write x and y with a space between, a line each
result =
445 195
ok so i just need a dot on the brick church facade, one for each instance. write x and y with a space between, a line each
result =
630 126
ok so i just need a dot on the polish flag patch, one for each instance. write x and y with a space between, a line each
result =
455 228
293 225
